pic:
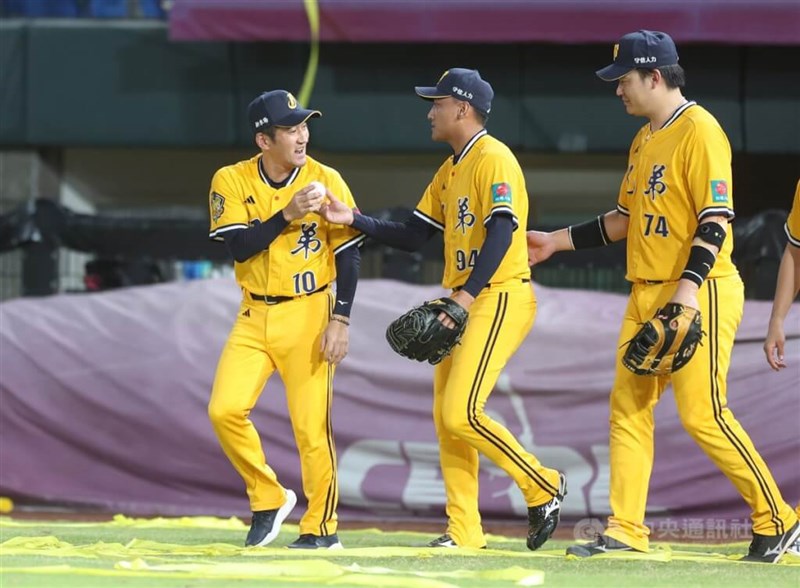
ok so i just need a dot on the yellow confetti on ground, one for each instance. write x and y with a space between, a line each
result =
50 546
315 572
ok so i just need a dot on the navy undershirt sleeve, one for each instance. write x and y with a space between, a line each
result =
498 239
245 243
408 236
348 262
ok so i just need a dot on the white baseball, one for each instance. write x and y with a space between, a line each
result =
318 188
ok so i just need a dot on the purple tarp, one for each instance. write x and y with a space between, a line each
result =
104 404
769 22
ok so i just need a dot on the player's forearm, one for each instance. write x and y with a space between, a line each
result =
498 239
348 263
598 232
408 236
788 284
245 243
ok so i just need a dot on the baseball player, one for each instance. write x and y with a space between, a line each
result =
674 206
477 200
289 321
786 289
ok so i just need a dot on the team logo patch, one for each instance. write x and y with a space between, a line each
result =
217 206
501 193
616 51
291 101
719 190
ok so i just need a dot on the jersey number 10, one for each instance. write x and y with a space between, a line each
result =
304 283
660 225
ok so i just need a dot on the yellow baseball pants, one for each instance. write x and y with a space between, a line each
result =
499 319
700 395
286 338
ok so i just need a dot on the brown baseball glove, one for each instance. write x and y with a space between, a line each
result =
666 342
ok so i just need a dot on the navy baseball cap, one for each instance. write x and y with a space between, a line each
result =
461 84
277 108
640 50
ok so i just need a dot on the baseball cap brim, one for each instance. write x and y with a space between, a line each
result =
613 72
297 117
430 93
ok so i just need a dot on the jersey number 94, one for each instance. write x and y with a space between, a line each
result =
463 261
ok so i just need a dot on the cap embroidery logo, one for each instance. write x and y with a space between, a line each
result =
443 75
616 50
466 94
291 101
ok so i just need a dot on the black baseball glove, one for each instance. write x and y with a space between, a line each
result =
419 335
666 342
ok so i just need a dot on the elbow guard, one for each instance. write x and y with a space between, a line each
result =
712 233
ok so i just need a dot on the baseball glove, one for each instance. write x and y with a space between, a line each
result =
419 335
666 342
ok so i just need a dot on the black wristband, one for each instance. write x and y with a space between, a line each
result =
701 260
589 234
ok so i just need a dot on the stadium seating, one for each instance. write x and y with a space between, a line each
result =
83 8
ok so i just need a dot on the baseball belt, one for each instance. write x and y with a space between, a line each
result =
278 299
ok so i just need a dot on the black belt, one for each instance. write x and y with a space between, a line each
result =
650 282
523 280
278 299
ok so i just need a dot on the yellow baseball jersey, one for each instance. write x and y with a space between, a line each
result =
676 176
484 180
301 259
792 227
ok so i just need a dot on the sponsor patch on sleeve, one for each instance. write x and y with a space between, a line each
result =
719 190
501 193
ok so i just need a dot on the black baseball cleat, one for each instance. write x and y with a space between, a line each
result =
770 548
602 544
543 519
309 541
444 541
266 524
